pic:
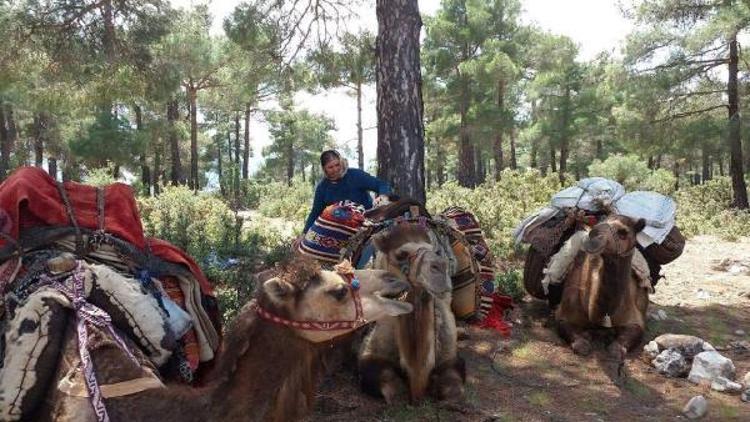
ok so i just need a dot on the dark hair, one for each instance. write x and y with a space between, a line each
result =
328 156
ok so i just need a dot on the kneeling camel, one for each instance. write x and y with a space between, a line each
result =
267 367
601 289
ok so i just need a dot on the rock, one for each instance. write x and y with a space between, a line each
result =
724 385
688 346
745 396
702 294
708 347
739 345
746 380
650 351
696 408
739 332
707 366
671 364
662 314
737 269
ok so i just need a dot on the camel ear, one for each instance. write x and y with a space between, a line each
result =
639 225
278 290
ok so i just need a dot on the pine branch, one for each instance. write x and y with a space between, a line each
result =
688 113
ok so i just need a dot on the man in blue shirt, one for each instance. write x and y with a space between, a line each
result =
341 183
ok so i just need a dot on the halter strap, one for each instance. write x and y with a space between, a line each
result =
358 321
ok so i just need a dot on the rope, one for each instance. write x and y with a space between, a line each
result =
87 313
80 251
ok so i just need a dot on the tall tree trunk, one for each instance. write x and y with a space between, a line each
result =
143 160
40 134
534 152
246 151
466 164
658 161
513 160
289 163
360 140
193 96
220 167
734 138
440 167
565 135
109 30
237 138
599 148
676 173
651 162
173 114
552 158
4 150
499 134
399 90
481 172
705 164
52 167
721 165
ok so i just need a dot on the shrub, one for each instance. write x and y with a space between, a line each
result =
510 283
704 209
284 201
633 173
499 206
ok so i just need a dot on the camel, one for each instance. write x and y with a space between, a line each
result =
265 370
601 289
421 345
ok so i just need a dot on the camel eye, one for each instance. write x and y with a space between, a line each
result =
622 233
338 293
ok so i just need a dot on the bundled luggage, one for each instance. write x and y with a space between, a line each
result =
583 205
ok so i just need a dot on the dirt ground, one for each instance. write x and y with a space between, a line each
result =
533 376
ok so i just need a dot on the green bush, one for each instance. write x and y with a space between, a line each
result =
510 283
633 173
99 177
289 202
499 206
207 229
705 209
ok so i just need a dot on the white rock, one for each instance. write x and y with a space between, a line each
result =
708 347
746 380
696 408
662 315
739 332
702 294
737 269
671 364
688 346
745 396
724 385
651 350
708 366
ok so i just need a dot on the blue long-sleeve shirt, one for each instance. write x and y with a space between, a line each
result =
354 186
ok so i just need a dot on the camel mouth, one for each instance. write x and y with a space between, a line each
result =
395 290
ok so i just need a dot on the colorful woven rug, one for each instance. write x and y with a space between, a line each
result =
332 231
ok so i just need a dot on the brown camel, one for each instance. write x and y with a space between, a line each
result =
601 289
421 345
265 371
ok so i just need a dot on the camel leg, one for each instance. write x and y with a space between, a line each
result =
628 337
379 378
447 380
578 338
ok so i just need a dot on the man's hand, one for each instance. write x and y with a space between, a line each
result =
380 201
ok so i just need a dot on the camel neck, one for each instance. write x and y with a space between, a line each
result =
265 381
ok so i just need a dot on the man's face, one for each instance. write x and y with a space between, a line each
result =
333 169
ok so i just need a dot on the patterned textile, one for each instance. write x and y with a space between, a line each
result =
332 231
190 350
484 274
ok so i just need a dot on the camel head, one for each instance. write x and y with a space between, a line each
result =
408 250
614 237
305 292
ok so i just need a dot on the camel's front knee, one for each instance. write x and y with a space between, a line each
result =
447 381
379 378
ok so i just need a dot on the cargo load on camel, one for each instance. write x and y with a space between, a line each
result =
555 233
72 251
345 230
